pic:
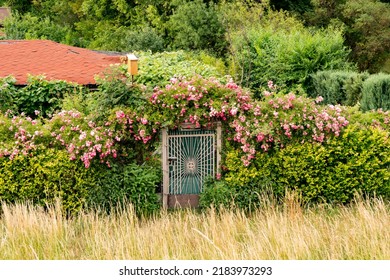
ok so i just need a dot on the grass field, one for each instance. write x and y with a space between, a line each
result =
359 231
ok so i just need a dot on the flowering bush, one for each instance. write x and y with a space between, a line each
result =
80 136
86 139
278 120
276 141
35 165
19 135
253 125
197 101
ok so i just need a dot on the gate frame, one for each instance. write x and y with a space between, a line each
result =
165 161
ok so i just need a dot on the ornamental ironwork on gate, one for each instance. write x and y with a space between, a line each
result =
189 157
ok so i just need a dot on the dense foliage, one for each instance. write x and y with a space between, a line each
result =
376 92
107 141
223 28
279 142
338 87
283 50
369 92
156 69
366 24
358 161
196 25
39 95
45 176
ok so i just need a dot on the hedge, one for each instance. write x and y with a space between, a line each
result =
48 175
357 162
376 92
337 87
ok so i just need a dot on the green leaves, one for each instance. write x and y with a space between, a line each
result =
8 91
195 25
45 177
127 184
356 162
49 175
376 92
282 50
157 69
337 87
39 94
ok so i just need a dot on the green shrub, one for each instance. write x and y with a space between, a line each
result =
227 195
376 92
358 161
217 194
157 69
375 118
108 36
7 93
283 50
115 89
44 177
195 25
42 95
337 87
48 174
28 26
129 183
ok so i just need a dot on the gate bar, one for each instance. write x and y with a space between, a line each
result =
219 147
165 168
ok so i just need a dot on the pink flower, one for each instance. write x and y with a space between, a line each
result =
71 148
271 85
120 114
231 85
98 147
82 135
190 88
233 111
260 137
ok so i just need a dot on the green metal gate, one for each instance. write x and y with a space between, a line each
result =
191 156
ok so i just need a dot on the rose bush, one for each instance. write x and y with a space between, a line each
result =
252 124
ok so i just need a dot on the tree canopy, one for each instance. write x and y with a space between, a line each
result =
198 25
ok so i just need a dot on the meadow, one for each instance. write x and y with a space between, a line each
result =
276 232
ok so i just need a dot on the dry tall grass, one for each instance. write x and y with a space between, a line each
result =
360 231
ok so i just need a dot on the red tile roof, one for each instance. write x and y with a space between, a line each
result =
56 61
